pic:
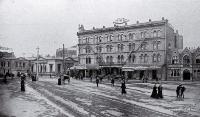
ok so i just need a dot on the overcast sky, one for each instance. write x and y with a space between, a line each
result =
26 24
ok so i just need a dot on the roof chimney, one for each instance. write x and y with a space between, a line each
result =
93 28
104 27
137 22
177 31
163 18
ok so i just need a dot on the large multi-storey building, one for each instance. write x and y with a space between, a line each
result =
137 51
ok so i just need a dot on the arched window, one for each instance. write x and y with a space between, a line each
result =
118 59
133 58
186 60
159 33
107 48
174 60
98 59
142 34
119 47
88 60
133 46
122 47
130 46
154 46
134 36
158 57
129 58
198 59
122 58
107 59
145 58
130 35
154 58
111 59
154 33
141 58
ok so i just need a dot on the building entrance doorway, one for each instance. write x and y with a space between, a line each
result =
154 74
186 75
141 74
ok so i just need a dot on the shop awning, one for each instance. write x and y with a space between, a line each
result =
78 67
83 67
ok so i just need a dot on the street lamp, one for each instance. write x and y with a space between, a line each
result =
37 62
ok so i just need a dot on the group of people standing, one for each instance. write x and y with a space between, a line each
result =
157 92
180 91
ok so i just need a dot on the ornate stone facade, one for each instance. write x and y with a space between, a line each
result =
184 64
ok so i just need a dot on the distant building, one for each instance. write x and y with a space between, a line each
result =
68 52
5 65
136 51
51 65
14 65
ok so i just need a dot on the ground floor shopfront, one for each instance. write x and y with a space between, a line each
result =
180 73
139 73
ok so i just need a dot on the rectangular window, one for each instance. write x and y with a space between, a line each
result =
50 67
118 47
175 72
1 64
23 65
16 64
8 64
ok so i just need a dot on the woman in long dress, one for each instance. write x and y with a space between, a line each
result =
154 93
160 95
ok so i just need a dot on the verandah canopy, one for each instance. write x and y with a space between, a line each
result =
133 68
84 67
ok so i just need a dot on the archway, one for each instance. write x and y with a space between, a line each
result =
186 75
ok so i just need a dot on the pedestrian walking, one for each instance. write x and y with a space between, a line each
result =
123 87
23 82
5 79
154 93
160 95
112 82
182 91
178 88
59 80
97 81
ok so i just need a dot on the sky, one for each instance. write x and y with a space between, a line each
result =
47 24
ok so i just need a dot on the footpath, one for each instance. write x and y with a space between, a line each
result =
14 103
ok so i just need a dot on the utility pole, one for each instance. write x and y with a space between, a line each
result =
37 62
63 59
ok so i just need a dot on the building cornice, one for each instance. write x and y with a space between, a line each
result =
125 27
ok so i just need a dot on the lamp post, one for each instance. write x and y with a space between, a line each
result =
37 62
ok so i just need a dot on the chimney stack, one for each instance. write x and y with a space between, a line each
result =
137 22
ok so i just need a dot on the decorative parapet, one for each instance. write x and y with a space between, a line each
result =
82 31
